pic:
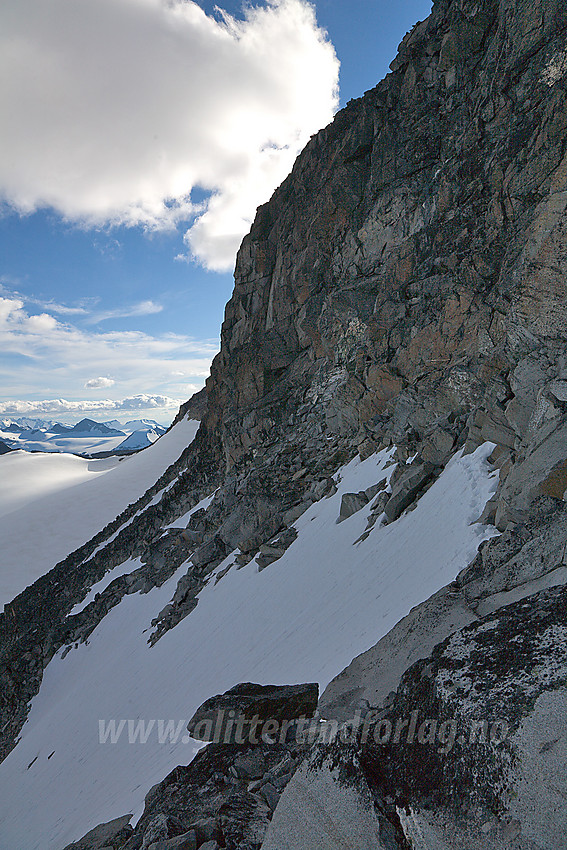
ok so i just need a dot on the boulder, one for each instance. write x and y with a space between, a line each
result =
209 554
187 841
540 471
253 706
205 829
157 829
407 487
270 794
251 764
437 447
351 503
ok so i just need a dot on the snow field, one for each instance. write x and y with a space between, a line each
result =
303 618
50 504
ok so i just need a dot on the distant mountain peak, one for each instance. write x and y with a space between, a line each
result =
89 426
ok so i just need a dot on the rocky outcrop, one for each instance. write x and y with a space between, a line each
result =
194 408
328 805
482 765
456 714
467 753
227 795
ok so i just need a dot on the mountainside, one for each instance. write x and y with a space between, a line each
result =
395 341
138 440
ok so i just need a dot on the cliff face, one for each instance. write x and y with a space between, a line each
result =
405 286
411 269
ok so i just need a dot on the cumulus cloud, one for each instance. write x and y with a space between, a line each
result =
99 383
116 110
45 355
61 405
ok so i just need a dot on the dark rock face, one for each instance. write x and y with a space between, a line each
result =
408 274
217 717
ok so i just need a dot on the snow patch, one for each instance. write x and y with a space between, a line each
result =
121 570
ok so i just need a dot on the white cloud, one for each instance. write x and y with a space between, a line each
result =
144 308
9 288
61 405
99 383
61 308
42 355
117 109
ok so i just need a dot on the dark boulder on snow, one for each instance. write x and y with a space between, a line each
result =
256 707
351 503
407 488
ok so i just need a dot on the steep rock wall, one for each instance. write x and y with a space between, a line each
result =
411 270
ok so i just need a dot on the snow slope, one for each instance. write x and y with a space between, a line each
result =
52 503
301 619
25 477
143 425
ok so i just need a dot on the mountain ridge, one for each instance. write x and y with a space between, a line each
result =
404 289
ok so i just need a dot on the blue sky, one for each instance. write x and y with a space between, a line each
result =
114 264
